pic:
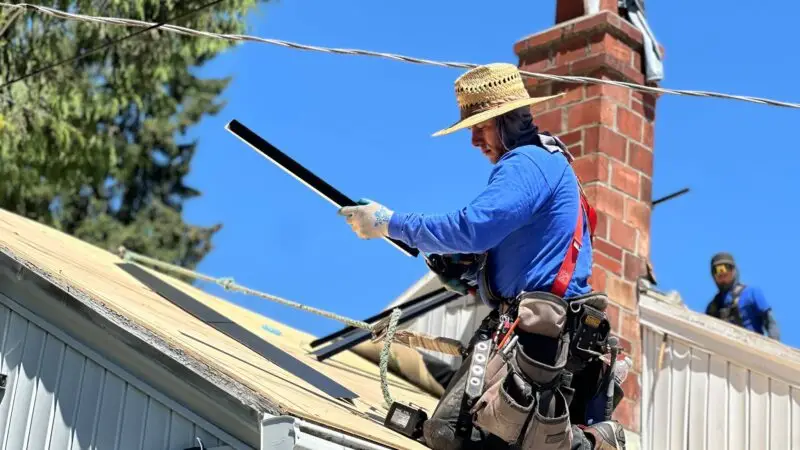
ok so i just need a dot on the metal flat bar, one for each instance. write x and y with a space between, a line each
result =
358 336
300 173
385 313
236 332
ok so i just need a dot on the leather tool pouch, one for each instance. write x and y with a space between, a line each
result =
525 400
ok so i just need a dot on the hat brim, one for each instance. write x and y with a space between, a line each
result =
494 112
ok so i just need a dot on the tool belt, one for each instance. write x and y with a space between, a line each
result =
527 385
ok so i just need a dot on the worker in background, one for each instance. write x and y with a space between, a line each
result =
520 226
737 303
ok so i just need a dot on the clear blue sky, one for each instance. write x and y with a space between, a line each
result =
364 124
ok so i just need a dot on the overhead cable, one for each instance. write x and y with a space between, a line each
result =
396 57
81 55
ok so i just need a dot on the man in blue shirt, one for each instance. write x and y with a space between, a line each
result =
531 231
737 303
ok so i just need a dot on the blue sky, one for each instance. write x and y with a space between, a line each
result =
364 124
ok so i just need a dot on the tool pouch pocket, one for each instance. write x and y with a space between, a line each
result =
543 346
504 407
549 427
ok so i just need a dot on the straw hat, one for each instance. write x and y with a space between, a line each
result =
489 91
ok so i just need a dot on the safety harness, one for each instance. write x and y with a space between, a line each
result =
731 313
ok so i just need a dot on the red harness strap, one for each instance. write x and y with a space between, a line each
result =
568 265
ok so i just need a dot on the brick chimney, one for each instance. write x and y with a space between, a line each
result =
609 130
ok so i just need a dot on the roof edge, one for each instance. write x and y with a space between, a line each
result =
739 345
77 312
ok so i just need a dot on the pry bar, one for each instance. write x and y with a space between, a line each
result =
305 176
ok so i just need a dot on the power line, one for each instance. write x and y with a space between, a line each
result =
80 56
396 57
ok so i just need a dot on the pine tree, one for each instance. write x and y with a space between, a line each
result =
96 148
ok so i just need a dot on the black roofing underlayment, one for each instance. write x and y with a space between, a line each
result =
235 331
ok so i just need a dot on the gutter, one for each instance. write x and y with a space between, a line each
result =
288 432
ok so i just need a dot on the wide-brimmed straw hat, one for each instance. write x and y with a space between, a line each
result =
489 91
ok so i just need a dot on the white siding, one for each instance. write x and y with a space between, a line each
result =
58 398
697 399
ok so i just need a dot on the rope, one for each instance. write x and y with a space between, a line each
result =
229 285
384 362
392 56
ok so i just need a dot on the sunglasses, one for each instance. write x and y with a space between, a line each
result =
721 269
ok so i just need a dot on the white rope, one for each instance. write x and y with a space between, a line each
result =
396 57
229 285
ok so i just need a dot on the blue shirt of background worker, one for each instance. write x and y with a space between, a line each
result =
737 303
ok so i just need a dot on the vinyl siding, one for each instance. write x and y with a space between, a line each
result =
706 385
58 398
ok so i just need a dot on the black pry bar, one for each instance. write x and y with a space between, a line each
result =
336 334
305 176
358 336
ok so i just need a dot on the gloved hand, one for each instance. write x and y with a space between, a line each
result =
368 220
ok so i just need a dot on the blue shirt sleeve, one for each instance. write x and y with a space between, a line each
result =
517 188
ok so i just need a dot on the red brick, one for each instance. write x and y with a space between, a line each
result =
601 227
611 265
646 192
629 123
634 267
572 94
621 292
629 326
637 107
590 112
637 214
647 135
573 137
598 278
538 108
625 179
609 5
573 50
606 200
644 244
576 150
592 167
616 48
612 312
618 94
622 234
607 248
636 61
602 139
640 158
549 121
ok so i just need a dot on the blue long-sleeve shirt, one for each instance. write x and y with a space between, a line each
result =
525 218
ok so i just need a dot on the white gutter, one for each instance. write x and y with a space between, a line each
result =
288 432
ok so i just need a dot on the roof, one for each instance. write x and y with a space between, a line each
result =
92 275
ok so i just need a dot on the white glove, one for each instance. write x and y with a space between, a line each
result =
368 220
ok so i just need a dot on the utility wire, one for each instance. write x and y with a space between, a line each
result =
108 44
396 57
